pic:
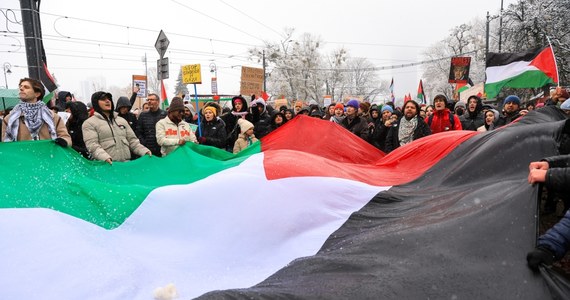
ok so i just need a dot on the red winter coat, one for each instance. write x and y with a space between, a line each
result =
440 121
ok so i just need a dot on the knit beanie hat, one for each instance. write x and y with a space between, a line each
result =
364 106
244 125
177 105
460 104
353 103
512 98
210 108
387 108
339 106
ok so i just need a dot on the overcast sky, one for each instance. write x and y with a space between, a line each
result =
108 39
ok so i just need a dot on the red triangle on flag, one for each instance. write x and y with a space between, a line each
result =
264 95
545 62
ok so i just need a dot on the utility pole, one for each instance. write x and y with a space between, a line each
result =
487 36
264 74
500 26
31 22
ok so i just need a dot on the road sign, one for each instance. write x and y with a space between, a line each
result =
161 44
214 85
162 68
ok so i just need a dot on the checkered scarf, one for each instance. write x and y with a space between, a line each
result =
35 115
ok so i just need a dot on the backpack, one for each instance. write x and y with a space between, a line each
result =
451 120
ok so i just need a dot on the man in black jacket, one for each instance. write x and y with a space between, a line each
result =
146 125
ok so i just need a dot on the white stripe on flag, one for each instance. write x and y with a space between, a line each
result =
500 73
230 230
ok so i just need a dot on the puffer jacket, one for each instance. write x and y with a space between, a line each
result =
146 129
113 140
214 133
168 134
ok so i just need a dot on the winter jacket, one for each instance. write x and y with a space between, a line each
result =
379 134
74 126
113 140
25 135
358 126
168 134
393 141
472 121
262 125
558 174
506 119
146 129
60 101
129 116
230 119
557 238
214 133
440 121
243 142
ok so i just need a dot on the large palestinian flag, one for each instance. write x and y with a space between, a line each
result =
310 212
531 69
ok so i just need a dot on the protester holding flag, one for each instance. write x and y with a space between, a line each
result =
173 131
31 119
553 245
239 111
107 136
212 129
146 125
407 129
381 128
246 137
442 118
260 118
78 115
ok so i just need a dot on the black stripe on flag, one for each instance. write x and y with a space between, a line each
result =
501 59
463 233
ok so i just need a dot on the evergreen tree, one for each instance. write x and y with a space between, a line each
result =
180 88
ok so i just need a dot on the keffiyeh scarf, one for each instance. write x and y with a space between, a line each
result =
406 132
35 115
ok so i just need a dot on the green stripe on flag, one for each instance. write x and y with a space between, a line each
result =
41 174
528 79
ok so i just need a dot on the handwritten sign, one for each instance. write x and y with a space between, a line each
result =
191 74
251 81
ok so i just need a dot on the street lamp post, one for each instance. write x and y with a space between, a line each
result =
7 70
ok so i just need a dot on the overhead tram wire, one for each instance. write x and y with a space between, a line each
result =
60 17
255 20
217 20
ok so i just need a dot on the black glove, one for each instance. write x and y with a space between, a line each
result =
61 142
538 256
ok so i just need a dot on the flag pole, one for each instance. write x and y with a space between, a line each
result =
198 110
555 63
